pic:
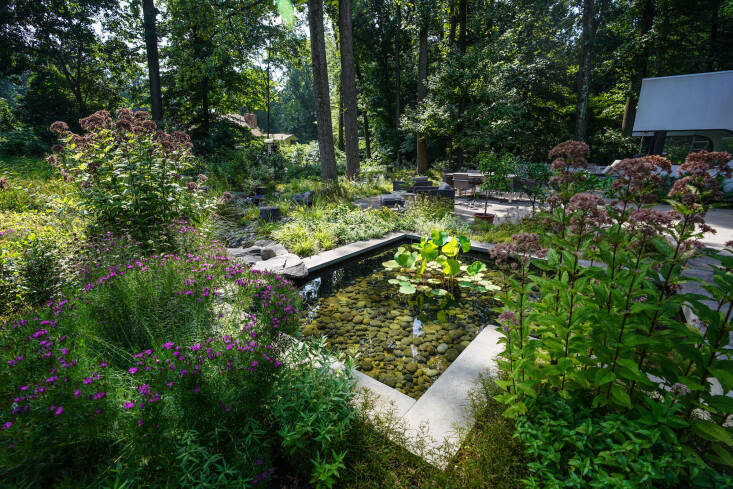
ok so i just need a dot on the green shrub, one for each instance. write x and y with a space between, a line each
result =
571 446
610 333
128 175
33 264
311 403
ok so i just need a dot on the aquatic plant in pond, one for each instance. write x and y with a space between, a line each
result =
432 271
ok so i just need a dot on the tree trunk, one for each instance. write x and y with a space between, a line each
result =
151 46
462 35
340 141
267 91
320 82
584 68
367 140
639 66
398 66
205 105
365 116
714 24
422 78
462 19
348 90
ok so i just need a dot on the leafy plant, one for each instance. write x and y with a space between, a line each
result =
129 175
600 320
311 404
432 270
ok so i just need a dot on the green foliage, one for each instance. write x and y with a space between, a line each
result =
311 403
609 333
130 177
433 272
569 445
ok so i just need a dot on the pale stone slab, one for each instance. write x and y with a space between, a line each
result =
351 250
388 397
444 408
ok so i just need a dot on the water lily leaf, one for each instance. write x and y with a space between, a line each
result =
451 249
433 281
441 259
393 281
475 268
406 259
390 264
464 283
423 288
407 288
489 285
439 292
429 252
439 238
465 243
451 267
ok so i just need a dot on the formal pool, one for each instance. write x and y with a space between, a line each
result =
399 338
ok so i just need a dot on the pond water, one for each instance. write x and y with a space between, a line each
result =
400 344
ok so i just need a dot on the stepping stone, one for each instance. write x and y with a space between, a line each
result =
289 266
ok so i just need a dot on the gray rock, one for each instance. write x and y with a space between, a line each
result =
442 348
269 213
288 265
304 198
273 251
263 243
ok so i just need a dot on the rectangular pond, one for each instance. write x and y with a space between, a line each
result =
404 341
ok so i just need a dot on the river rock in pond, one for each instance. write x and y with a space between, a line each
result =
365 365
442 348
451 354
411 367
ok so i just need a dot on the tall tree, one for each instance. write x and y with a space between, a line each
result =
320 82
462 40
640 61
422 79
348 89
584 69
151 47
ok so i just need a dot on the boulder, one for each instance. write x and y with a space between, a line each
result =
306 198
288 265
263 243
273 251
270 213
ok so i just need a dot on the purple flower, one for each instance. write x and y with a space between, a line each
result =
128 405
77 393
59 410
132 370
7 425
168 345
